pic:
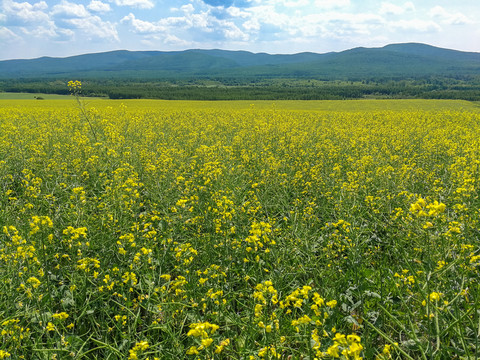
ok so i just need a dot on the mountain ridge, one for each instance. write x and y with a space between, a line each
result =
393 60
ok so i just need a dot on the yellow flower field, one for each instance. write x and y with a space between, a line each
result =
238 230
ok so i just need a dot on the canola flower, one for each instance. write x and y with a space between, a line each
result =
74 85
146 232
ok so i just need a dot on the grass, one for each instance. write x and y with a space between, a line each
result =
30 96
287 230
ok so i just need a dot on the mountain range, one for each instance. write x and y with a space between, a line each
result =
408 60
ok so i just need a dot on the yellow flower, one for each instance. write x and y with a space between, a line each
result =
207 342
434 296
60 316
142 345
222 345
332 303
333 351
34 282
192 351
139 347
386 349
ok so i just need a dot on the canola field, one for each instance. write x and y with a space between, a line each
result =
239 230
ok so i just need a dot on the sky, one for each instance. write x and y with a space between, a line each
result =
60 28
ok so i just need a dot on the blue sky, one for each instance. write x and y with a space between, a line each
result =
59 28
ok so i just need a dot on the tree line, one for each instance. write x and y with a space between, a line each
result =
260 89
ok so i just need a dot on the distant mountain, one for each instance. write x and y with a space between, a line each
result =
391 61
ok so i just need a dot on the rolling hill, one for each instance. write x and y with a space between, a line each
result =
411 60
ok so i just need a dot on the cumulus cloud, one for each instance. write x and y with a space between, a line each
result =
201 21
252 25
450 18
236 12
41 5
339 25
188 8
322 23
295 3
142 27
70 10
94 27
331 4
25 12
42 31
98 6
193 24
269 15
415 25
392 9
141 4
232 31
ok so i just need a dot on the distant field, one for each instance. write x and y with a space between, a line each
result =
27 96
18 99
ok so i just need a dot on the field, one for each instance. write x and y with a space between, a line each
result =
30 96
239 230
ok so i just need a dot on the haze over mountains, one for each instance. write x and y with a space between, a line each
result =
391 61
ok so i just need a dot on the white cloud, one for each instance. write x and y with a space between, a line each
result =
409 6
70 10
64 34
174 40
188 8
168 39
77 21
295 3
143 27
252 25
95 27
333 24
232 32
42 5
8 35
190 26
200 21
267 14
237 12
31 20
42 31
141 4
331 4
25 12
391 9
449 18
320 22
415 25
99 6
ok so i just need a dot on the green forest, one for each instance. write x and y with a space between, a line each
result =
260 89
